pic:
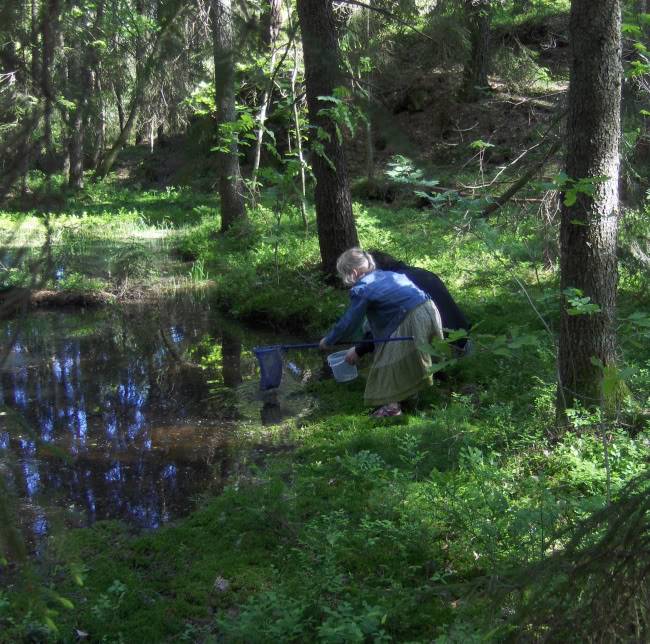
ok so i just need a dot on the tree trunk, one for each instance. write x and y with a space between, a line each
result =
35 66
273 25
298 135
120 105
230 183
475 73
370 148
49 28
79 91
588 233
96 148
95 117
296 120
137 126
336 228
76 174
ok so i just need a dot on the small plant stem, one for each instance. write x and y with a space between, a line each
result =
603 431
297 128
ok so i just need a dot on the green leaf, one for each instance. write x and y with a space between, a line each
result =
50 624
597 362
480 145
630 29
439 366
579 303
640 319
637 68
570 197
64 601
456 334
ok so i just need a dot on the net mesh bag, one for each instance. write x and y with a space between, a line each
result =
270 361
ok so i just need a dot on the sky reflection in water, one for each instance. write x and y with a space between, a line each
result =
107 417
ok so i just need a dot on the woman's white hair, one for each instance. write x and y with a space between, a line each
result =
354 259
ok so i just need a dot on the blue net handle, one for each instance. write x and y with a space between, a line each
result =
315 345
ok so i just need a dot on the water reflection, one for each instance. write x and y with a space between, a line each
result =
132 429
126 413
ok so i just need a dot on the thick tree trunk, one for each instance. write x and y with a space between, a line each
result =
336 228
475 74
230 183
588 233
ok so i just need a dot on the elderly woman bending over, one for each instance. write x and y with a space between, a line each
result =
394 307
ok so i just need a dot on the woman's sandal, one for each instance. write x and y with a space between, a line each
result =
387 411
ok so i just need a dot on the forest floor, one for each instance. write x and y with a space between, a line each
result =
367 529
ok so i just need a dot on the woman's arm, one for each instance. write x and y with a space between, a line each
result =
350 321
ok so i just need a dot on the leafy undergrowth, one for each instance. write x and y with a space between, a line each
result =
370 530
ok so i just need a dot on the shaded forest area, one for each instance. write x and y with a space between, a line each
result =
228 151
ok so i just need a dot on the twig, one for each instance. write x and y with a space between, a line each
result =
387 13
504 168
521 182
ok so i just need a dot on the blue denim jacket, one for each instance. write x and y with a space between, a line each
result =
384 298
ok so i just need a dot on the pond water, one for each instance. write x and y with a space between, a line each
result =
132 412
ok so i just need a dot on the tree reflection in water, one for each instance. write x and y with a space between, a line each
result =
126 413
106 418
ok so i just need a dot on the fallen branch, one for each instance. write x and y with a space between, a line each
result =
521 182
388 14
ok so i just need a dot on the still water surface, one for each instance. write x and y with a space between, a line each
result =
130 412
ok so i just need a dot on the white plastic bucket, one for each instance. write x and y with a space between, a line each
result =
340 368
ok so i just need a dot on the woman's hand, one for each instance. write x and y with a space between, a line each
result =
352 357
323 346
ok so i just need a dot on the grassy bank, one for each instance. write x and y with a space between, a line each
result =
367 531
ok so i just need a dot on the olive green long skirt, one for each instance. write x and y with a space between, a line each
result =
400 369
